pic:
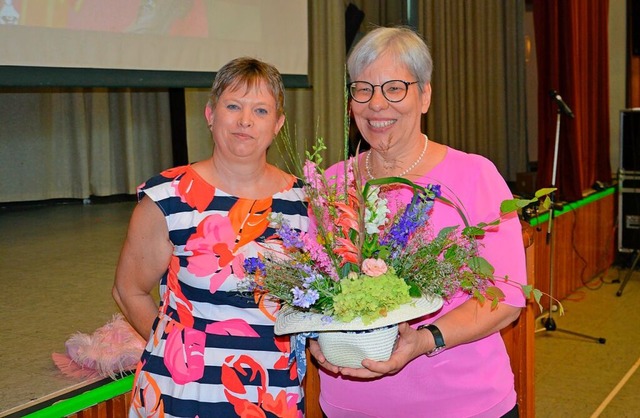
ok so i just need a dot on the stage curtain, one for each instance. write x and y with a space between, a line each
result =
77 143
319 111
478 83
572 54
478 102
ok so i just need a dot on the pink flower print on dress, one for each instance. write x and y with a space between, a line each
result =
212 245
238 327
282 405
184 353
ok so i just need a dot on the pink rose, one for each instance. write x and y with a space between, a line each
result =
374 267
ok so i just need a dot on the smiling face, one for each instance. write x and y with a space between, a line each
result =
244 121
390 126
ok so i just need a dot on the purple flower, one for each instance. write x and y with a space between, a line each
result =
290 237
435 189
310 279
304 299
252 265
415 216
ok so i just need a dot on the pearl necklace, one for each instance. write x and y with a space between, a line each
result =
367 163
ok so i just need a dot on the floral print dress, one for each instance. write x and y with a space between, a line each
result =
212 351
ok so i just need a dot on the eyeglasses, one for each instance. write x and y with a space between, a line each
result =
392 90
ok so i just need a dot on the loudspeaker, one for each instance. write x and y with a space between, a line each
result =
634 25
629 228
630 140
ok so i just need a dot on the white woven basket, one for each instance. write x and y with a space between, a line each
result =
349 348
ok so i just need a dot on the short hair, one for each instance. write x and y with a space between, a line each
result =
248 72
403 42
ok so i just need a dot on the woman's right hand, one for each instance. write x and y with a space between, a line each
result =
316 352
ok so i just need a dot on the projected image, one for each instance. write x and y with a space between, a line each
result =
166 16
171 17
152 35
8 13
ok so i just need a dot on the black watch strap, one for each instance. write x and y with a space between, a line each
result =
437 338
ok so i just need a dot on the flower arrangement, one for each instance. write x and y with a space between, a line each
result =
360 261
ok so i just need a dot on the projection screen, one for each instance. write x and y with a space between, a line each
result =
162 43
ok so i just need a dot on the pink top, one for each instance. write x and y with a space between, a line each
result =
469 380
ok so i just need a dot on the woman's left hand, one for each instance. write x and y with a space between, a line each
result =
410 345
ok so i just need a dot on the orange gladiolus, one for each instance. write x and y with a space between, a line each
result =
348 219
347 250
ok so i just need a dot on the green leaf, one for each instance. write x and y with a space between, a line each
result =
544 192
527 289
444 232
512 205
450 253
481 266
494 293
414 291
473 231
537 296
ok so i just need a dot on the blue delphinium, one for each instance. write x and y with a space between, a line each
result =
415 216
252 265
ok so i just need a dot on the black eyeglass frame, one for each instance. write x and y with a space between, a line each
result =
373 87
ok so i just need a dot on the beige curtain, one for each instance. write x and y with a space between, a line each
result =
77 143
478 102
319 111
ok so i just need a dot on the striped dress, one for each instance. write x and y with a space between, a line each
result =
212 351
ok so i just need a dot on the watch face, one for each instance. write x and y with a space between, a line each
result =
435 351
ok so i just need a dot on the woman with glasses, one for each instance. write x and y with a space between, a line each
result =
452 363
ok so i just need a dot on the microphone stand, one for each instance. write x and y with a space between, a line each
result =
549 323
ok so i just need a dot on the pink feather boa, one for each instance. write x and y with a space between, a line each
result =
112 349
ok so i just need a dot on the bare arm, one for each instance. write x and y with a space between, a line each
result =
468 322
143 260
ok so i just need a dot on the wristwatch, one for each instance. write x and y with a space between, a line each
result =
437 338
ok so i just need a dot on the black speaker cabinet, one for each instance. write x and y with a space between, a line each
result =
633 21
629 213
629 182
630 140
